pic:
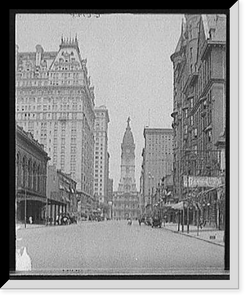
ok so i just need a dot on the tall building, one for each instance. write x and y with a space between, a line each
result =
126 200
55 102
199 63
199 100
157 160
101 155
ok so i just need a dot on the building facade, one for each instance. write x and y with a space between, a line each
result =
61 195
199 104
157 161
55 102
31 178
126 198
67 187
110 197
101 155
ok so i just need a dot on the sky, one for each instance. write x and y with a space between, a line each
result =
128 61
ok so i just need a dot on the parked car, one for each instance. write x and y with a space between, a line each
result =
156 222
148 220
65 220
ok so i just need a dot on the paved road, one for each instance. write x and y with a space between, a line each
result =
114 247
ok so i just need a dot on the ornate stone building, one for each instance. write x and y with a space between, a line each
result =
126 199
199 104
31 178
55 102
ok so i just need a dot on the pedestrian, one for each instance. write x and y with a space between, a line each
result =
57 220
129 221
30 220
139 220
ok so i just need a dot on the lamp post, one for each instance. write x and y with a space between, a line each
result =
110 203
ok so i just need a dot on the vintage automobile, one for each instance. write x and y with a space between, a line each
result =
148 220
66 219
156 222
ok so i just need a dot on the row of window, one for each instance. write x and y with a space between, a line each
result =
50 91
30 174
49 116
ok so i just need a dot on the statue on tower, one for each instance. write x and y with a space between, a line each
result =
128 120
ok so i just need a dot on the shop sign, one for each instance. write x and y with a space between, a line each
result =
201 181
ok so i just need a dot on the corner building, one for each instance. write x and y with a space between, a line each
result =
55 102
199 105
126 199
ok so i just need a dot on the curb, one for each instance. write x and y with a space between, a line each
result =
195 237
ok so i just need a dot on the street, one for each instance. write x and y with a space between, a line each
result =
114 247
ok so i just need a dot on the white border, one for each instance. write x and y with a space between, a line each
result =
233 283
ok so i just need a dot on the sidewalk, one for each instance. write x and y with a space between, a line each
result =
208 234
22 226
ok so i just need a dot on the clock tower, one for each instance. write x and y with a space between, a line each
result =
127 180
126 199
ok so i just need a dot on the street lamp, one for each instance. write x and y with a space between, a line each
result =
110 203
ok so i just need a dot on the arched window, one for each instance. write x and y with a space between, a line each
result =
30 174
38 178
34 176
24 172
17 170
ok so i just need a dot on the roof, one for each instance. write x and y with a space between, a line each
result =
128 138
20 132
216 23
167 131
214 27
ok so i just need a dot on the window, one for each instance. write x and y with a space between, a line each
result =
195 133
192 102
185 129
210 136
191 53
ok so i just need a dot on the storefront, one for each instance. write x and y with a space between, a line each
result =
30 206
31 178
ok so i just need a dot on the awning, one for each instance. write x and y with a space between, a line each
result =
31 198
210 190
57 202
